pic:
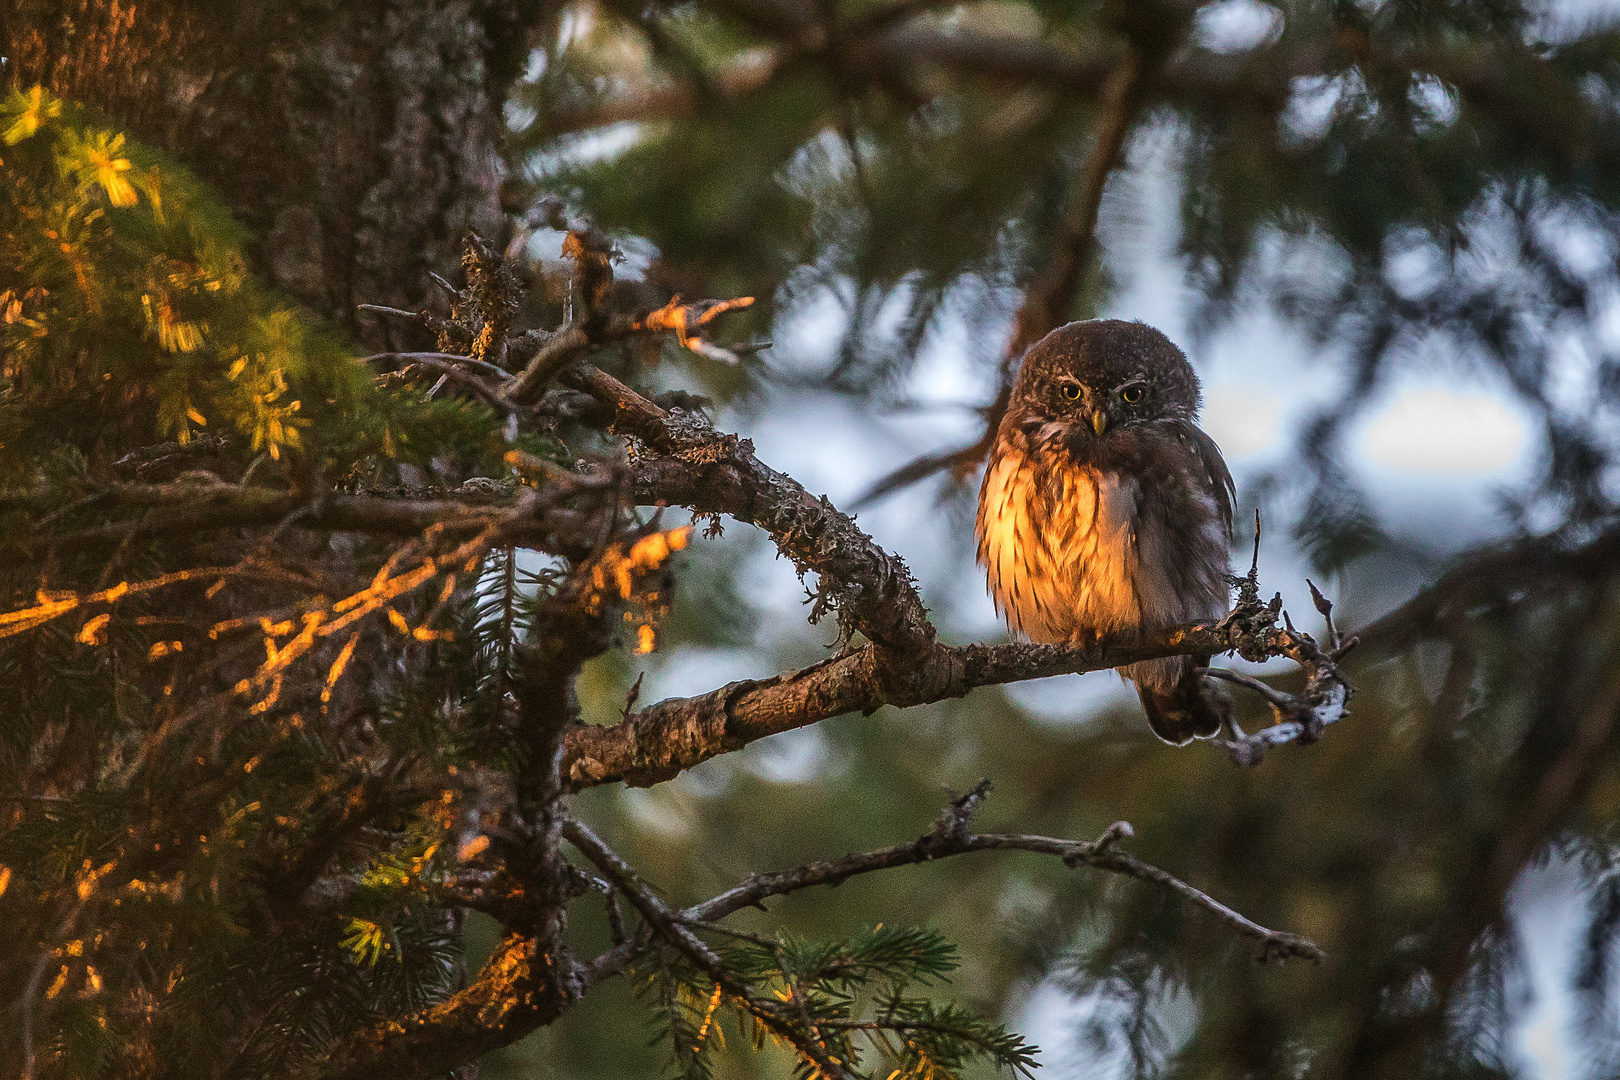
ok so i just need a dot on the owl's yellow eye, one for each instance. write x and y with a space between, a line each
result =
1131 394
1070 391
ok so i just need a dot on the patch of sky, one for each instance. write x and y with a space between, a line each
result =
1084 1036
1549 907
1315 101
1065 701
1558 22
1233 26
1434 103
800 756
581 148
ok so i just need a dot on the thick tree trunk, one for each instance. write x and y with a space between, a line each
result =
357 139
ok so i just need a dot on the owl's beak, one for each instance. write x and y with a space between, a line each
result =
1099 422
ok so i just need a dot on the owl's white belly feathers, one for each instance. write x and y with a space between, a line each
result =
1072 561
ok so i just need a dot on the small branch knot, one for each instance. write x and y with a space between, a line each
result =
1278 948
1119 830
958 814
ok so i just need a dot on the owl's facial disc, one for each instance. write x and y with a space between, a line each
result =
1082 406
1102 410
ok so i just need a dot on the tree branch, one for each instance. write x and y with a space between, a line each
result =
870 589
671 736
949 837
182 507
520 988
1100 854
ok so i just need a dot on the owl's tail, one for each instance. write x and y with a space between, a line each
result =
1180 704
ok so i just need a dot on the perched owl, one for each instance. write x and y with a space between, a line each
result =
1105 510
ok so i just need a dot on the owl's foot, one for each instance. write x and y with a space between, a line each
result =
1189 709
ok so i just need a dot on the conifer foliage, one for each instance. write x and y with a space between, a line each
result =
157 785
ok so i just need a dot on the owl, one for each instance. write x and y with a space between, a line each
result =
1106 511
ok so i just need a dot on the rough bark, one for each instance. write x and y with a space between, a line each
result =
356 141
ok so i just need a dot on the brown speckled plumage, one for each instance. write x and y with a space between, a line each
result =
1106 510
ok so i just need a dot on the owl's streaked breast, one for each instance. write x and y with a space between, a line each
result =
1064 551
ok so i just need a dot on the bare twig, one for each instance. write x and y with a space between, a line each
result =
1101 854
671 925
444 358
449 367
1276 698
664 919
548 353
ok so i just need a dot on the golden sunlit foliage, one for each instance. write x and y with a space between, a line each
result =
127 314
121 282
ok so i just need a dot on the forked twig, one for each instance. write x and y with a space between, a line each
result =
1255 635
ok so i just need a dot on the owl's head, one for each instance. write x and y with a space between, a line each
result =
1102 376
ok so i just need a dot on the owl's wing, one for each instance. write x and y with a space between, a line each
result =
1216 475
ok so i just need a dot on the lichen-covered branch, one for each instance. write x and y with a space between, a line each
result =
1326 698
870 589
666 738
